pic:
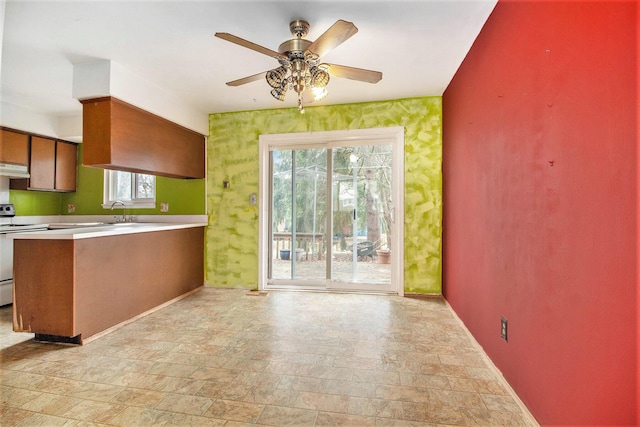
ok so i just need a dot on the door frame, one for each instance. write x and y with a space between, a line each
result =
330 139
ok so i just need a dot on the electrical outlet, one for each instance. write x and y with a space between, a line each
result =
503 329
164 207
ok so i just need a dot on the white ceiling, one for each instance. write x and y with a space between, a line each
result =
417 45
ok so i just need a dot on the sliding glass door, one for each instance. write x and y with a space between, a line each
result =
328 212
298 215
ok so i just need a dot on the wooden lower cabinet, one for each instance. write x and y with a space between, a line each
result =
79 288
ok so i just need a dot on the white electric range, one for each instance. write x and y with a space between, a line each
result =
7 214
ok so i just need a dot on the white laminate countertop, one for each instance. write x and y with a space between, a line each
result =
102 230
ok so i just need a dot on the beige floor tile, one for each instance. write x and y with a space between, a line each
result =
257 379
375 407
356 362
485 417
477 386
177 385
279 416
222 357
388 422
302 383
429 413
445 370
185 420
138 397
218 374
351 388
56 385
270 395
20 364
376 376
45 420
500 403
402 393
21 379
456 398
322 402
16 397
135 379
134 416
95 391
51 404
193 405
236 411
426 381
223 391
172 369
10 416
90 410
333 419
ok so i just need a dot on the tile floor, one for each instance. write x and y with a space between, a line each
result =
225 357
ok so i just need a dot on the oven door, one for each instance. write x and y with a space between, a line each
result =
6 270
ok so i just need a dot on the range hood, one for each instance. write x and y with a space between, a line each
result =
13 171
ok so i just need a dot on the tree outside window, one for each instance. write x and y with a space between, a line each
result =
134 189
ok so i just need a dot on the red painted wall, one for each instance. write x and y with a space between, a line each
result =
540 199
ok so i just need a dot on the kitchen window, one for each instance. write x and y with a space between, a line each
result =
134 189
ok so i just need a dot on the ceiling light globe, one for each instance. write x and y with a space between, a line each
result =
277 94
319 93
276 76
319 77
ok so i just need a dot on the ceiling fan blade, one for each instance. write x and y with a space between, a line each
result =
333 37
248 79
353 73
250 45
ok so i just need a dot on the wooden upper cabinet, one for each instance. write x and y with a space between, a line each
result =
14 147
43 163
52 166
66 166
120 136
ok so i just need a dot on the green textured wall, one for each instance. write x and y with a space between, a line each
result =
232 154
29 203
185 197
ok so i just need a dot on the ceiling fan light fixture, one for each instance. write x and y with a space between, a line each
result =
278 94
319 77
319 93
299 59
276 77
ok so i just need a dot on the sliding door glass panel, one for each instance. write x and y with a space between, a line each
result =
362 214
299 215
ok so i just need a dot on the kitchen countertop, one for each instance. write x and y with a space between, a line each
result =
102 230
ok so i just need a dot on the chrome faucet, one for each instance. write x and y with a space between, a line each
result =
124 210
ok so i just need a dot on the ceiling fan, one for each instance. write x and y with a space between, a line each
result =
300 67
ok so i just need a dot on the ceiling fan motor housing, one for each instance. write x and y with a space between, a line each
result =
294 48
299 28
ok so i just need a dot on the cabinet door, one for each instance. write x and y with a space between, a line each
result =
66 163
43 163
14 148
